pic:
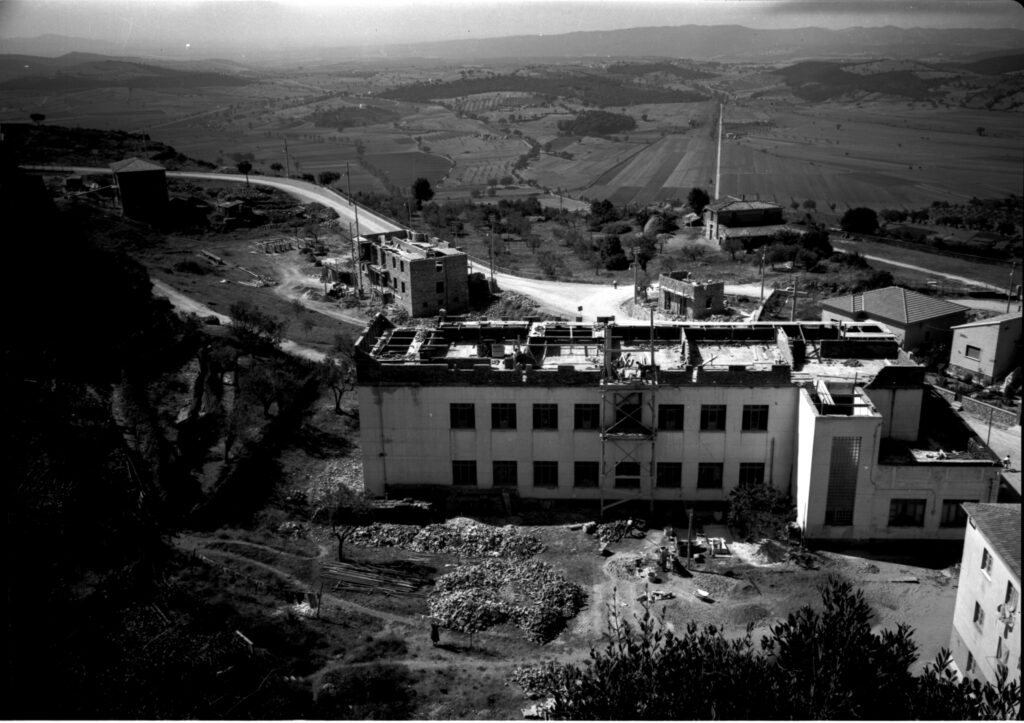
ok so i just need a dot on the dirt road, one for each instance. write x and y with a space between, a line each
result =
952 277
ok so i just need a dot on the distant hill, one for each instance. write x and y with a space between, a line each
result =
701 42
821 80
996 65
77 71
724 42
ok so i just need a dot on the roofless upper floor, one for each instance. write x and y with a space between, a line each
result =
555 352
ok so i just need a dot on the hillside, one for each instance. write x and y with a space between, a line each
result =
82 72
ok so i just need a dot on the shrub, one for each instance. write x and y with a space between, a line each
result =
760 510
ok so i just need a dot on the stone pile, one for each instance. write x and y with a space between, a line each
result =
464 540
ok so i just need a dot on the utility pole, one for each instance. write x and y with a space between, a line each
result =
1009 287
718 162
287 159
490 243
763 247
635 280
351 202
792 310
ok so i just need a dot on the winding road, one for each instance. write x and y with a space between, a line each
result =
563 298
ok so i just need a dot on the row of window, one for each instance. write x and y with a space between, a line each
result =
1009 603
588 416
910 513
669 475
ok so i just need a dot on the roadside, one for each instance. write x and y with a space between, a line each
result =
1004 441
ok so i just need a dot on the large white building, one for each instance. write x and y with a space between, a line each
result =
986 620
672 413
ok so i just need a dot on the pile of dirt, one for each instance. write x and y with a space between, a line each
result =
627 567
464 538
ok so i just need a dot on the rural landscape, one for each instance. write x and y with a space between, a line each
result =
191 528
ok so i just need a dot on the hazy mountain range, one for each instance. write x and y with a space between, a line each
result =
701 42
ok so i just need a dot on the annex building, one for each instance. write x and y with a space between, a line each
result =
985 635
674 413
421 275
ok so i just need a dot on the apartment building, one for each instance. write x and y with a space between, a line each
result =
421 275
672 413
987 349
985 635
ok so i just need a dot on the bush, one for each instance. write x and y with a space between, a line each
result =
757 511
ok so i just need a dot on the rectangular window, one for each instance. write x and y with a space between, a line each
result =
755 417
979 616
709 476
712 418
464 473
986 562
972 352
670 417
751 473
906 513
586 474
1011 597
545 474
440 287
403 287
505 473
401 266
545 416
587 416
953 515
670 474
503 416
970 664
627 475
842 481
1002 652
463 415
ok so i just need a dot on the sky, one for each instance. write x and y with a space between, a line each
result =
203 26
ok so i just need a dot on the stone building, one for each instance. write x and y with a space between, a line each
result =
681 296
142 187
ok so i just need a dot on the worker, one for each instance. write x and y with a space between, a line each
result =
615 283
1006 462
435 634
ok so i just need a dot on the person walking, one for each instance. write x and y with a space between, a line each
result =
435 634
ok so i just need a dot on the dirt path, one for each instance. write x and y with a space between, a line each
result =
952 277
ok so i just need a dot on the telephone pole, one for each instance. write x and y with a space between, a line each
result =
1009 287
287 160
718 162
351 201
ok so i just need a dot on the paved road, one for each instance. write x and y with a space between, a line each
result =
952 277
1003 441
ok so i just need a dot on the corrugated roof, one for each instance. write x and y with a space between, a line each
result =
1000 523
991 320
894 303
738 204
135 164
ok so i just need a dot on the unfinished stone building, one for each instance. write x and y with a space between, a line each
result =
421 275
674 414
682 296
142 187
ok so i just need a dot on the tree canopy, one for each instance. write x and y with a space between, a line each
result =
859 220
814 665
697 199
422 192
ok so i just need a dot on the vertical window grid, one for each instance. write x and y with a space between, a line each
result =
755 418
712 418
503 415
464 473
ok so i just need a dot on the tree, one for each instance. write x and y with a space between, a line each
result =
252 328
815 665
859 220
343 502
337 370
980 130
697 199
422 192
733 246
326 178
244 167
37 118
757 511
276 167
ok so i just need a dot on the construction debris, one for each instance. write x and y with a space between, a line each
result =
615 531
465 540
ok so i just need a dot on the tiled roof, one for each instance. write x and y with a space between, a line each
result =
894 303
135 164
991 320
1000 523
738 204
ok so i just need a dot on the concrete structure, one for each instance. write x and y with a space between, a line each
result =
914 318
671 413
752 222
422 276
986 619
987 349
142 188
679 295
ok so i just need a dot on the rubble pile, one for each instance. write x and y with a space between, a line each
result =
465 539
531 595
615 531
532 678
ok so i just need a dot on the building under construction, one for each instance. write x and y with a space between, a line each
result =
421 275
678 413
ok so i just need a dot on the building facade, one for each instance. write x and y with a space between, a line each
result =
752 222
986 619
986 350
915 319
671 413
420 275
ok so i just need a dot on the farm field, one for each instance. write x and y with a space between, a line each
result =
591 157
665 170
